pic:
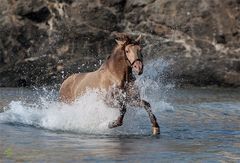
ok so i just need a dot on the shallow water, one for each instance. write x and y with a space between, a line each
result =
197 125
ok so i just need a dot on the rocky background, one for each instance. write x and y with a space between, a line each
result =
43 41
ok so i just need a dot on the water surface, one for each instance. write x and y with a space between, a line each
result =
197 125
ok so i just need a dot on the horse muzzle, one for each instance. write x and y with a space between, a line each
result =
137 66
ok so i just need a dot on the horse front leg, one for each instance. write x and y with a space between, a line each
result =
153 119
119 120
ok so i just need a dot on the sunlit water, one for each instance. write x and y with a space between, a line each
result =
197 125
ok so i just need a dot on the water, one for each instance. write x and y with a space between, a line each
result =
197 125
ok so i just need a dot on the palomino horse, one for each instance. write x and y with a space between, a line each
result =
116 72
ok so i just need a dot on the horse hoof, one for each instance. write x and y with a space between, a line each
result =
114 124
155 130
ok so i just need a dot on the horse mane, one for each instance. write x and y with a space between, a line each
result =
120 37
126 38
115 52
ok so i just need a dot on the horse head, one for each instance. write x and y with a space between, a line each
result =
132 51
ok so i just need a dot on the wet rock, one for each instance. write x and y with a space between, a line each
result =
43 41
232 78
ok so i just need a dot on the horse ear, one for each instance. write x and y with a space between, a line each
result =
121 43
139 38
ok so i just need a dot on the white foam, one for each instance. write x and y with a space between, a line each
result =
88 114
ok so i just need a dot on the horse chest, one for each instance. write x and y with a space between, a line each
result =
109 81
109 84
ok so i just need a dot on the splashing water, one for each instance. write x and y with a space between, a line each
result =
150 83
88 114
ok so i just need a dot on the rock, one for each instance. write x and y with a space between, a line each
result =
42 15
43 41
220 39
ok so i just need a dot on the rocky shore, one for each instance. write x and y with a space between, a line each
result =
43 41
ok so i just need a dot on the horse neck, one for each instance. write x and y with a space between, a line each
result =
118 65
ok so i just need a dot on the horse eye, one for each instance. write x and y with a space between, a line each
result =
126 51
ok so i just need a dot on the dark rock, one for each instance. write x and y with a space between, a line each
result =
22 7
39 16
102 18
220 39
43 41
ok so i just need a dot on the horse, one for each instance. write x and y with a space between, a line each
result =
114 76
